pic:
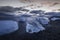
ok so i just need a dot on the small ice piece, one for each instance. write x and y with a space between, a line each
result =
54 19
44 20
8 26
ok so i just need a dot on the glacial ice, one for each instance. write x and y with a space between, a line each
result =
32 29
8 26
33 25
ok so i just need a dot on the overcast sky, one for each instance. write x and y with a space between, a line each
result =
47 5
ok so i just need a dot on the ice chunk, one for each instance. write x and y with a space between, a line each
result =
33 26
44 20
8 26
54 18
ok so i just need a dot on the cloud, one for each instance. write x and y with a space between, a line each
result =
56 10
53 4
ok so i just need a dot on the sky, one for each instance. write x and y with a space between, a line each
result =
47 5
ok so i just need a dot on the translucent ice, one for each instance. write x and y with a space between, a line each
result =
8 26
33 26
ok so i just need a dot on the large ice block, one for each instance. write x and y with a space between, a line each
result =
8 26
33 26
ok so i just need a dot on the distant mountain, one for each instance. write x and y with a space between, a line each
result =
37 11
25 10
7 9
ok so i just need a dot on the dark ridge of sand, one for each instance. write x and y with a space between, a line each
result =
51 33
